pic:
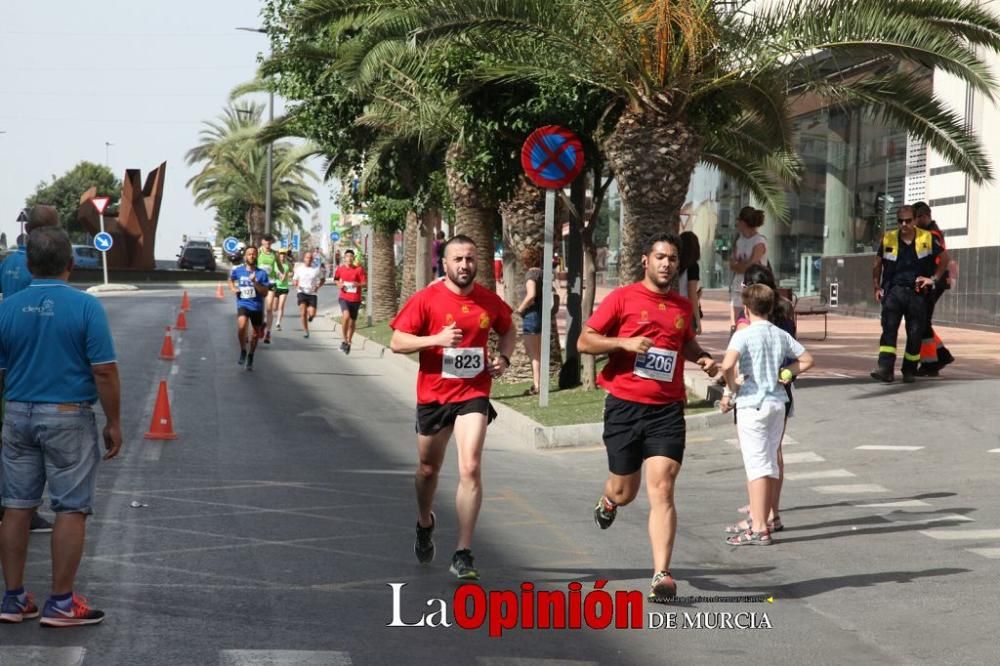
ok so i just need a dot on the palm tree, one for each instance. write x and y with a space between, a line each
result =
235 171
704 81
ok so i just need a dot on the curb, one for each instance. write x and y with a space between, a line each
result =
568 436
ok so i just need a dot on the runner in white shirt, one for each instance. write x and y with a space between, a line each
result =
307 279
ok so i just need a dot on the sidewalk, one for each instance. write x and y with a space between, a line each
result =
849 352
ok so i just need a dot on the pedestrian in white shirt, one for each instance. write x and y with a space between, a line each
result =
307 280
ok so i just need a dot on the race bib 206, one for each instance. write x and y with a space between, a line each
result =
657 363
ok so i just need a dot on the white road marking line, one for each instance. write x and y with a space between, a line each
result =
886 447
822 474
175 369
802 457
888 505
948 517
789 440
40 654
992 553
283 658
993 451
856 488
528 661
955 535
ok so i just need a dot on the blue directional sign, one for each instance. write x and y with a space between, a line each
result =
295 242
334 236
103 241
230 245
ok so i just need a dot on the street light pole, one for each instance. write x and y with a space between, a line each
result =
269 185
107 153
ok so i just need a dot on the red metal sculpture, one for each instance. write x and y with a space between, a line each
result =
133 225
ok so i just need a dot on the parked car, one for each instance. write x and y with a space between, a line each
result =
85 256
196 257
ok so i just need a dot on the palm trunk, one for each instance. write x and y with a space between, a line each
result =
475 216
411 239
255 224
383 276
588 362
652 158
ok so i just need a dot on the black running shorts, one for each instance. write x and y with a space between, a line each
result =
309 299
634 431
350 307
256 317
433 417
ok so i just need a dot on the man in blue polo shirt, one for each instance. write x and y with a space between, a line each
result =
15 276
250 284
57 358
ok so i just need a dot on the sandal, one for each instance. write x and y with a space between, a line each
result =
744 525
749 538
739 527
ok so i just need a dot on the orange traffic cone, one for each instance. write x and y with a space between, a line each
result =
218 292
185 302
167 350
162 426
182 324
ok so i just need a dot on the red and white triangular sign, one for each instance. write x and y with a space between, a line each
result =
100 203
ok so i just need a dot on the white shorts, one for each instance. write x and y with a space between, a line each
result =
760 434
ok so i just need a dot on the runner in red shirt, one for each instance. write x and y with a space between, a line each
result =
449 323
350 279
645 329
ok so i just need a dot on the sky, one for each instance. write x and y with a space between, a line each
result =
141 76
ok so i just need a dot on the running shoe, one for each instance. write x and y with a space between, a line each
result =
78 614
604 516
462 567
39 525
267 338
311 318
14 611
423 547
243 357
250 362
306 335
343 346
663 588
347 348
277 326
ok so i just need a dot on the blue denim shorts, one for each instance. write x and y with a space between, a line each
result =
56 443
531 323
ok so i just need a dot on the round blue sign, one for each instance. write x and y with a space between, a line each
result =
103 241
334 236
230 245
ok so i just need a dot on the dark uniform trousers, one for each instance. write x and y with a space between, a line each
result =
900 302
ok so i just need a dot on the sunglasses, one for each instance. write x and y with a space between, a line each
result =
905 220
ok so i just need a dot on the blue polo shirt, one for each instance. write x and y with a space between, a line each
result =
14 273
241 276
50 336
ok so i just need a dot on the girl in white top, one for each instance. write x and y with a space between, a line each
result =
750 249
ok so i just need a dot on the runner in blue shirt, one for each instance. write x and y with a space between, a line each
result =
250 284
14 275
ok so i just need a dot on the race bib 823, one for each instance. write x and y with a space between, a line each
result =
462 362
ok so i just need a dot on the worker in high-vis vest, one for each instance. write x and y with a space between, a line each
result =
903 273
933 354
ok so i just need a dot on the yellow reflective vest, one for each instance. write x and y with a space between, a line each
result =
924 245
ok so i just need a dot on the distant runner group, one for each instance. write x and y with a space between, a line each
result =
261 284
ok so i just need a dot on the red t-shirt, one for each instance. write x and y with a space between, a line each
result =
634 311
353 277
467 375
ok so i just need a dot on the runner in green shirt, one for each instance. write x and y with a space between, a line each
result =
265 261
282 276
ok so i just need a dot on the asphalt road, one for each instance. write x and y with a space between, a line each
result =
275 523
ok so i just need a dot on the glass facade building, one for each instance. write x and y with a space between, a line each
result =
853 180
